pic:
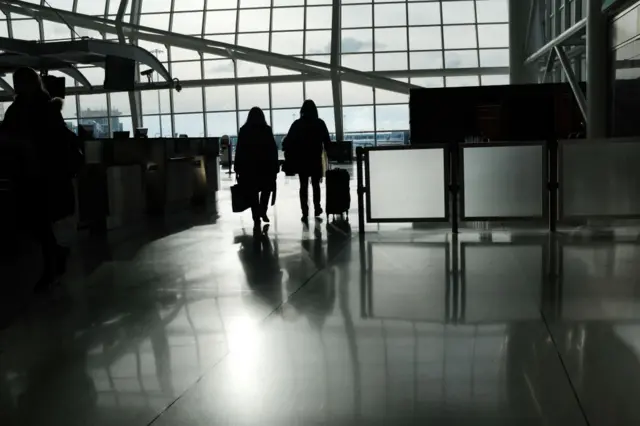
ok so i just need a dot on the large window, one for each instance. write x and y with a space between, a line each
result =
429 43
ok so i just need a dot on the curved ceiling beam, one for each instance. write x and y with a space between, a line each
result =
74 73
263 57
209 46
7 87
101 47
288 78
23 47
28 53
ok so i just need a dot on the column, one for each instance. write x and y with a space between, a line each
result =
597 70
519 11
336 81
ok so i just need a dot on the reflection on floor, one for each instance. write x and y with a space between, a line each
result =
212 325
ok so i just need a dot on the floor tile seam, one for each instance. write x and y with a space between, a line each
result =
188 389
565 369
280 305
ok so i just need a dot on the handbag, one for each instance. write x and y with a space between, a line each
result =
288 168
325 163
240 200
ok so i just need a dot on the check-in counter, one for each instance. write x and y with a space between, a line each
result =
200 187
126 179
180 182
210 166
126 195
111 186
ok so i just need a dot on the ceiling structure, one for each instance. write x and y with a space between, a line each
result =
342 52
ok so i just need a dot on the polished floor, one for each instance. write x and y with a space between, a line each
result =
200 322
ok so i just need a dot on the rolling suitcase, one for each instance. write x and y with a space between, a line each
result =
338 192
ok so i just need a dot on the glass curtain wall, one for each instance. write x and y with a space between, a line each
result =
412 41
559 16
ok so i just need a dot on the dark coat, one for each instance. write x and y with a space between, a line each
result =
303 146
37 121
256 161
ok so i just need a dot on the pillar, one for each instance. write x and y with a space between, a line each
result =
336 81
597 70
519 30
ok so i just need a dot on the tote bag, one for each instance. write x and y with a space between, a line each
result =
325 163
239 198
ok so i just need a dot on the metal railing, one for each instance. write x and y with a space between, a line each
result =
541 181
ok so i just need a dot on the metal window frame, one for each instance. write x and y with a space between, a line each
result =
205 4
270 48
447 171
214 47
543 182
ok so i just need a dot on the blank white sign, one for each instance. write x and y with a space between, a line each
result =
407 184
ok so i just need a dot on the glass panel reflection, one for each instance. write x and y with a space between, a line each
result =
410 297
509 289
600 178
503 181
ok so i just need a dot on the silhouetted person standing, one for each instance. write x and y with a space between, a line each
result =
256 163
36 120
307 138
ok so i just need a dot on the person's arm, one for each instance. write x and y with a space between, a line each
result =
292 137
238 162
273 152
326 138
69 142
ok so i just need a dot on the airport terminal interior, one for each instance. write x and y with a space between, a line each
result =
485 272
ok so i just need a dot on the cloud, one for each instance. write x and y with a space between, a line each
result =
320 51
221 66
350 45
380 45
453 62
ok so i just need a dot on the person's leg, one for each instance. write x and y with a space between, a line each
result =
315 183
304 195
264 205
47 239
255 207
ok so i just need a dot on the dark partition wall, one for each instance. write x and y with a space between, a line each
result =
625 100
500 113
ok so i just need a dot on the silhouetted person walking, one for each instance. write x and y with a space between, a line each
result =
256 163
36 120
303 146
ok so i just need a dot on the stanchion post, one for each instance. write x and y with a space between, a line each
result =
361 189
552 150
230 157
454 185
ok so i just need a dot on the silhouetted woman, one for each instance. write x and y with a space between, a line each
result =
256 162
36 120
303 147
